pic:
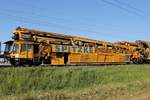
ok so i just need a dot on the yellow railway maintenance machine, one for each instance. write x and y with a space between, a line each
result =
36 47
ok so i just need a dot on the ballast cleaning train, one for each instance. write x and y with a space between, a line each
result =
35 47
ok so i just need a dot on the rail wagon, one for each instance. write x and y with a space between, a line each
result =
139 50
35 47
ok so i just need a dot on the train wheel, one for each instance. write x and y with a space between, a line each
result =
140 61
135 61
14 62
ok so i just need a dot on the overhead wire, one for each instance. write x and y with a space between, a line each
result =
48 24
69 20
118 5
35 21
126 7
43 16
132 7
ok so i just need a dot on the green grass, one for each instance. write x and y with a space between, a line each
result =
74 82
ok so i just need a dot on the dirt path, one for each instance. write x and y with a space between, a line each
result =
143 96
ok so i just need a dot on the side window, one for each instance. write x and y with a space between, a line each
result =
23 47
15 48
26 47
109 47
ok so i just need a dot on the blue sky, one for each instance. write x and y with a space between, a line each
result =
93 19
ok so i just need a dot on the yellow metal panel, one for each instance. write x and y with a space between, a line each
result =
57 60
25 55
75 57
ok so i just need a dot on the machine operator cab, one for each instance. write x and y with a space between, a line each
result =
8 49
18 52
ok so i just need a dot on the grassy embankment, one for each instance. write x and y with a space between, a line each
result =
115 82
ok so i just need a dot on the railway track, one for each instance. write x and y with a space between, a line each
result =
5 65
2 65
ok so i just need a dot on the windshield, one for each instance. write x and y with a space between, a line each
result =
8 47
